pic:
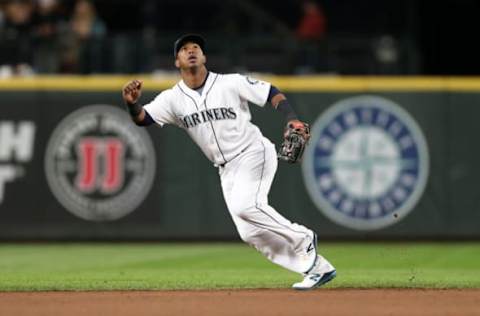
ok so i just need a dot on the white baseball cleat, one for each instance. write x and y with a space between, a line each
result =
321 273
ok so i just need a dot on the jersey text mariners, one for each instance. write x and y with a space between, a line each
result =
218 119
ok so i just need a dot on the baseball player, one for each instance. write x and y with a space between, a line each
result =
213 109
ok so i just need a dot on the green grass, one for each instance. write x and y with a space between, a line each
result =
218 266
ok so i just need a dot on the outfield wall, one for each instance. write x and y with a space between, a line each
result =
72 166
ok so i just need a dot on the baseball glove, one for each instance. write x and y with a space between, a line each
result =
296 138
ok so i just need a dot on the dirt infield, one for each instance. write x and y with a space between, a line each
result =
244 302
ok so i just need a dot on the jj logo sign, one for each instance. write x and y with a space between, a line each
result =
100 154
99 165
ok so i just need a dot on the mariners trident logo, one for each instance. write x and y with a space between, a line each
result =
99 166
367 163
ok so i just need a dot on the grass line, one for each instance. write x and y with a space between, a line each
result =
31 267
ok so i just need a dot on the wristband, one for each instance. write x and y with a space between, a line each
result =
134 109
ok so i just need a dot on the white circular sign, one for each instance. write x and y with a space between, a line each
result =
99 165
367 163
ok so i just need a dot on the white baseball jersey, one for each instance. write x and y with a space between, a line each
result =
218 119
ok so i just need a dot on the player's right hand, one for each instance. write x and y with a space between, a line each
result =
132 91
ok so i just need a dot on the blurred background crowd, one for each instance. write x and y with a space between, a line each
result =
395 37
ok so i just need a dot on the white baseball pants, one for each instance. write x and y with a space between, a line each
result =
246 182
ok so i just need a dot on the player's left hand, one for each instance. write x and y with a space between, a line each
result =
299 127
296 137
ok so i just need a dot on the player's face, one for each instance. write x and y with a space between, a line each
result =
190 56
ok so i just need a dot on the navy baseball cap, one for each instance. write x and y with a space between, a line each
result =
194 38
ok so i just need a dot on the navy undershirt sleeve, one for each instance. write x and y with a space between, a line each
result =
273 92
147 120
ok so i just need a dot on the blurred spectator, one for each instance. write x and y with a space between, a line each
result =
311 30
386 54
85 22
48 26
15 38
312 25
83 50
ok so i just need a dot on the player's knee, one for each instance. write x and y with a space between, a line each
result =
249 237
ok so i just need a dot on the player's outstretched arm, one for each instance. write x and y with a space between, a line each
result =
281 104
296 134
131 93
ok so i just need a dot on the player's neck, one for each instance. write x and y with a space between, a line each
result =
194 77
